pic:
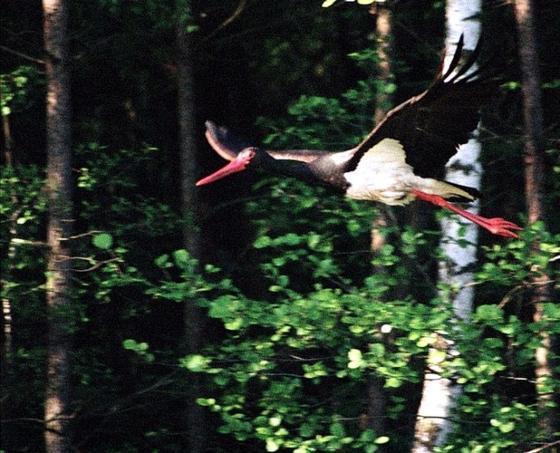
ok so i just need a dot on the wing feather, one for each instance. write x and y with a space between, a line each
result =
223 141
228 146
432 125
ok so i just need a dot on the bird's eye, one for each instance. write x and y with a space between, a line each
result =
247 154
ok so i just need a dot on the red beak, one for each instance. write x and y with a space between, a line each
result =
234 166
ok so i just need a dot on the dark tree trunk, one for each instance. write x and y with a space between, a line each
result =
377 396
535 191
187 139
383 30
193 316
59 185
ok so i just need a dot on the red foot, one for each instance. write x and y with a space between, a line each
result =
495 225
499 226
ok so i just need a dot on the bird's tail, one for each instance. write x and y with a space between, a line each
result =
452 191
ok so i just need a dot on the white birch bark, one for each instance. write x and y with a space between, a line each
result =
439 394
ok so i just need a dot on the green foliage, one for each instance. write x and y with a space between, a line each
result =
286 358
102 241
18 89
140 348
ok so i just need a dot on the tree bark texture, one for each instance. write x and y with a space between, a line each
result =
193 316
376 394
534 159
383 26
438 394
59 186
187 138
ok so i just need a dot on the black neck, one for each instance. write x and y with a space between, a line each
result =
288 167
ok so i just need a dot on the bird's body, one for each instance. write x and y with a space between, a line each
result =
400 160
383 175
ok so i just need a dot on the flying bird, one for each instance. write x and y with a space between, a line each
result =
400 160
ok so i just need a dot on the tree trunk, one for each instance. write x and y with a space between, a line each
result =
59 186
377 397
439 395
187 137
534 193
193 317
383 30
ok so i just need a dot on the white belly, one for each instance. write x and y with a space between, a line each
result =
382 174
389 183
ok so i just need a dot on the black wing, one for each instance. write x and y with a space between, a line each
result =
223 141
228 146
432 125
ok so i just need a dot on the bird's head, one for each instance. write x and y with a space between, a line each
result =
247 157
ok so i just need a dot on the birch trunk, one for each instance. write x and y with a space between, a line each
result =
534 193
193 318
59 186
439 394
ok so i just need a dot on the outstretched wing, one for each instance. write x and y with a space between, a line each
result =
432 125
228 146
223 141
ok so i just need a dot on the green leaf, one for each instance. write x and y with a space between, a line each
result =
181 258
390 88
489 313
337 429
506 427
393 382
234 324
102 241
205 401
355 358
272 445
262 241
275 421
354 355
382 440
195 362
129 344
425 341
436 356
222 307
162 261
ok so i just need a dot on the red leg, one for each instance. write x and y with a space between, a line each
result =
495 225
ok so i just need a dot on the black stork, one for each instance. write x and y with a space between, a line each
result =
400 160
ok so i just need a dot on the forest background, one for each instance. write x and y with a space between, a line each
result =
143 314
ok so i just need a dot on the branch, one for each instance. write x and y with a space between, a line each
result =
96 265
509 295
544 447
19 241
89 233
22 55
22 419
229 20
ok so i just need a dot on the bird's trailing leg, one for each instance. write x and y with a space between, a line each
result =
495 225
